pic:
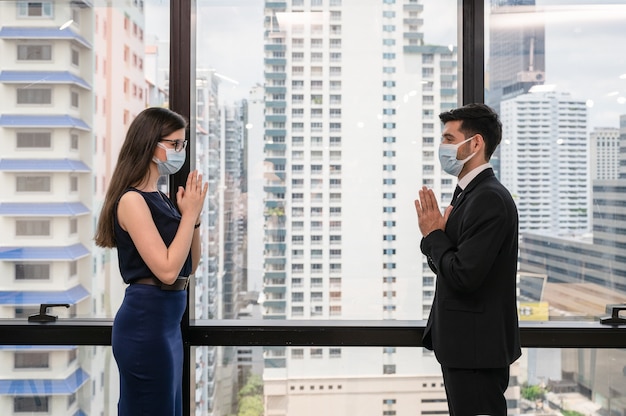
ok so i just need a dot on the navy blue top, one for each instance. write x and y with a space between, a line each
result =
166 218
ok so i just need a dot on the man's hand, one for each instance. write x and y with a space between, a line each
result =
429 216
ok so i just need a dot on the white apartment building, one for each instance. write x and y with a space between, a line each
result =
120 93
604 148
46 119
544 155
345 395
219 279
205 288
622 132
67 105
255 201
352 95
345 152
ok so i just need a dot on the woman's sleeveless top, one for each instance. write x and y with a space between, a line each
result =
166 218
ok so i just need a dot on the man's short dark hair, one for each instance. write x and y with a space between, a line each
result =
477 118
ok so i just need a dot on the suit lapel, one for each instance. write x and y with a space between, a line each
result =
478 179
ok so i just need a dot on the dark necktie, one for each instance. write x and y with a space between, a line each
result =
457 192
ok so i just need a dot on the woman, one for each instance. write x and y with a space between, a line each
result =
158 247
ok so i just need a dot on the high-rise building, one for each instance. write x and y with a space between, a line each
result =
311 132
516 51
230 277
119 94
351 132
219 144
231 211
622 149
45 247
206 279
544 161
68 103
255 198
516 60
46 125
583 270
604 149
598 258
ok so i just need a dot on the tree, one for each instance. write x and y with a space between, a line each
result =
251 397
251 406
533 392
571 413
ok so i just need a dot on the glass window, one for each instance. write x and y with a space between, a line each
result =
243 139
31 52
33 184
35 8
33 140
32 227
75 57
60 149
31 360
557 109
74 99
34 95
33 404
34 271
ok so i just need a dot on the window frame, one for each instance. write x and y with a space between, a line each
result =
44 55
551 334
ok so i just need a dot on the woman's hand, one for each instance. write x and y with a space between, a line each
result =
190 199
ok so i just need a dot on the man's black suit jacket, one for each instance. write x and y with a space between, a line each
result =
473 321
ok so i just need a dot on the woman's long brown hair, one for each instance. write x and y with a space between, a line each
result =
133 163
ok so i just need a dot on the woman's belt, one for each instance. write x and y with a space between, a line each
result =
180 283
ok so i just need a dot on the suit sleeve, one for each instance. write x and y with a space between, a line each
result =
483 227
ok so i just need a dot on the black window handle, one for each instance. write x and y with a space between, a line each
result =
43 316
614 311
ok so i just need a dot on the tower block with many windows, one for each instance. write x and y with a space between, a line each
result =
350 133
46 116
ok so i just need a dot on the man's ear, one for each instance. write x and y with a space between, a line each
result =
479 143
478 138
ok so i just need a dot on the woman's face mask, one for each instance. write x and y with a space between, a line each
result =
173 160
448 160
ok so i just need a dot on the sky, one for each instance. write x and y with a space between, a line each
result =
585 53
240 57
585 46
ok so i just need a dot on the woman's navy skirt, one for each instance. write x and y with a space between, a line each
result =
148 349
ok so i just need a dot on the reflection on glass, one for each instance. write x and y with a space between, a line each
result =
57 380
316 123
564 125
73 74
70 381
572 381
313 139
348 381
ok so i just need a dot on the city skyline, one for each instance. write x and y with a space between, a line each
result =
608 92
370 184
220 19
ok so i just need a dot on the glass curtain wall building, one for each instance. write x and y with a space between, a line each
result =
315 123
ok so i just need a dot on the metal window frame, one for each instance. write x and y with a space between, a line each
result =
347 333
551 334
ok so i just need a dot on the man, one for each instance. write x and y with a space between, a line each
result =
472 248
